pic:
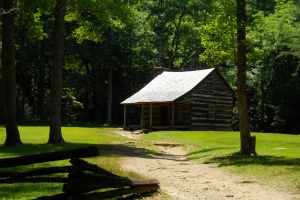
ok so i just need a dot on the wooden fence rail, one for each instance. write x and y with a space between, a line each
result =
84 181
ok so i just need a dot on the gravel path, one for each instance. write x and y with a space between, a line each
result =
182 179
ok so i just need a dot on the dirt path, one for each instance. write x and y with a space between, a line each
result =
182 179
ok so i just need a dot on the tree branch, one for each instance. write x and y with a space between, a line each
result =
4 12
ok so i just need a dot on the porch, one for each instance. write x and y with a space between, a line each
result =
160 116
155 128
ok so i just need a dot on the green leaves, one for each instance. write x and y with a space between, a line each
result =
274 31
218 35
31 12
91 18
265 34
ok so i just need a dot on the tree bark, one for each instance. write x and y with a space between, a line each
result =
41 81
9 75
160 33
241 80
175 41
110 83
55 136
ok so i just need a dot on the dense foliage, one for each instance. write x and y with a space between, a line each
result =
111 48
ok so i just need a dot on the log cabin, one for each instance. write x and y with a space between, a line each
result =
194 100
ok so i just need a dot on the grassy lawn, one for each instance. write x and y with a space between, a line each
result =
35 138
278 162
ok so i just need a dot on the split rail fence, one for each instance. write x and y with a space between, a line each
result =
84 180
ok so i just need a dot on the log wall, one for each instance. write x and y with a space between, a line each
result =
201 108
220 98
181 117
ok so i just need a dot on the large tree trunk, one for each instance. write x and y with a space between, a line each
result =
41 81
110 83
246 147
55 136
9 74
175 42
160 33
109 96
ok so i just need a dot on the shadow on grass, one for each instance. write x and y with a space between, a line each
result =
203 153
104 149
241 160
25 122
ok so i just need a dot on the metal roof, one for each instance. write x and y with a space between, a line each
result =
168 86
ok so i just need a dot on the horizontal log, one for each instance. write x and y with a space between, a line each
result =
35 180
201 115
82 164
215 101
94 183
210 124
119 192
202 112
223 116
229 94
104 195
76 176
38 172
91 177
79 165
224 107
213 96
52 156
201 105
215 120
220 114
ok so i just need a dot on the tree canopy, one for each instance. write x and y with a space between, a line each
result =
111 47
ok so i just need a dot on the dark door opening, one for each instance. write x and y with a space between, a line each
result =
164 115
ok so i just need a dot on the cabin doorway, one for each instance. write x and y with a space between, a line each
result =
164 115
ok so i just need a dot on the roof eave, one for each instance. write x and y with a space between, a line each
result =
147 102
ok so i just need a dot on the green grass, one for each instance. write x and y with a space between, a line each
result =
35 141
277 163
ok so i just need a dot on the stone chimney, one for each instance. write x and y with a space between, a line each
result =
157 71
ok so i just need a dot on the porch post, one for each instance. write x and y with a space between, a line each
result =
124 115
173 114
142 115
150 114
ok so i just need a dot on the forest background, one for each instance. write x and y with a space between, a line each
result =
111 48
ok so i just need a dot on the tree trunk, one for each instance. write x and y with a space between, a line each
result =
110 87
160 33
41 81
109 96
241 80
55 136
175 42
9 75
